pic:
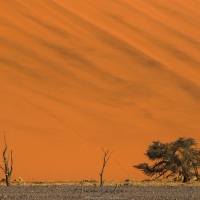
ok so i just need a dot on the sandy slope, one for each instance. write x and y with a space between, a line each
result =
78 75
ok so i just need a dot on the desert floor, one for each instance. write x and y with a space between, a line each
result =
92 192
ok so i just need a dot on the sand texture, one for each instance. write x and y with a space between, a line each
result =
78 75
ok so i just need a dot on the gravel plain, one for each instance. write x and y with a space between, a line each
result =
96 193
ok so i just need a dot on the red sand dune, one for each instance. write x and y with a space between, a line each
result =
78 75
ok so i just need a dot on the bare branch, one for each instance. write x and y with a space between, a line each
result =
106 157
7 169
2 169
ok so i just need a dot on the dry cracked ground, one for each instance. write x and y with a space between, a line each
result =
93 192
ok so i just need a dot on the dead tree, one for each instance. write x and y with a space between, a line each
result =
106 157
7 159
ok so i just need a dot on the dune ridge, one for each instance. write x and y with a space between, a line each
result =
79 75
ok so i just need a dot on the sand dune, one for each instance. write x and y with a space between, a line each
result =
77 75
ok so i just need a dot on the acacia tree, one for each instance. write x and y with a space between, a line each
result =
106 157
8 163
178 158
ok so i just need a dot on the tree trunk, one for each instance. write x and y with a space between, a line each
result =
186 178
7 180
101 179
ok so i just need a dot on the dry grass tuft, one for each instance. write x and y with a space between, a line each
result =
128 182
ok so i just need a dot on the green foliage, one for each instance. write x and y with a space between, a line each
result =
178 158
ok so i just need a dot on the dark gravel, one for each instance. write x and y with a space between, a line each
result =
95 193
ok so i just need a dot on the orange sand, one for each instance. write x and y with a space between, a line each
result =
78 75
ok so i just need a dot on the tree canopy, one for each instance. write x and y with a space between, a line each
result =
178 158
